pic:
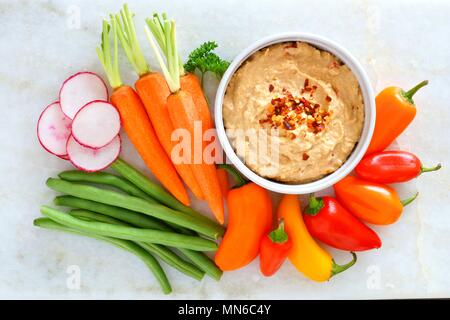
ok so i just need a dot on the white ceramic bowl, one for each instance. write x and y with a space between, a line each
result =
369 110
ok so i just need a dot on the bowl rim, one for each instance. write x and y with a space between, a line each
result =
358 152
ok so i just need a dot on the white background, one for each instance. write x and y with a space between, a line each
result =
398 42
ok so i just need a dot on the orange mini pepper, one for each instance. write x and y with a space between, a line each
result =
370 201
305 254
395 111
249 219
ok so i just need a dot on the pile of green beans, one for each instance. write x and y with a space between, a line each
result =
136 215
129 246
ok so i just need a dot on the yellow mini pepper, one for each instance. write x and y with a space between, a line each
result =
306 255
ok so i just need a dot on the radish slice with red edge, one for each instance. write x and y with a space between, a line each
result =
96 124
88 159
79 89
53 130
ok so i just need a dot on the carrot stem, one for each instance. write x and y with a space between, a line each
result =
171 82
127 35
158 30
110 64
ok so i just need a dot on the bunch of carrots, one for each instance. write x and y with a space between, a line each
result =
159 104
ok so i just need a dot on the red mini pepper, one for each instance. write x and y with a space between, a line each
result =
274 250
391 167
332 224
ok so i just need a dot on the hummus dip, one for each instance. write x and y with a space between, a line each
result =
302 100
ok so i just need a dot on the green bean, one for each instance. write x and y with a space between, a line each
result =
162 252
136 204
131 217
142 221
158 192
129 246
106 179
203 262
129 233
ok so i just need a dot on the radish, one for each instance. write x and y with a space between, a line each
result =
89 159
79 89
96 124
53 130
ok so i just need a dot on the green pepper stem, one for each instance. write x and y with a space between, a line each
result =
336 268
411 92
405 202
435 168
240 180
314 205
279 236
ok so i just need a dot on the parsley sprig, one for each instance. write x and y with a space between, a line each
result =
205 60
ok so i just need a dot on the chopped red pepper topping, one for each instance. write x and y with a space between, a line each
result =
289 113
291 45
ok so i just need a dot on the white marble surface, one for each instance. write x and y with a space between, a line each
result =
398 42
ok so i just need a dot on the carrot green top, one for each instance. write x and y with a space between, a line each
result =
128 39
110 63
166 37
157 28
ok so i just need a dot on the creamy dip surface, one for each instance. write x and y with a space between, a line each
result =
306 107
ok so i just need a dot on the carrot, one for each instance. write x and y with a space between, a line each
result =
223 181
190 83
184 114
135 121
153 91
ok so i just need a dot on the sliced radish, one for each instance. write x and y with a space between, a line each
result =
54 129
79 89
96 124
89 159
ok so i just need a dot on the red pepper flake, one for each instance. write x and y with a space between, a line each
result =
306 83
291 45
328 98
289 113
334 65
287 125
305 156
271 87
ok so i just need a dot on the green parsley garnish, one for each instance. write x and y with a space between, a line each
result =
204 59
